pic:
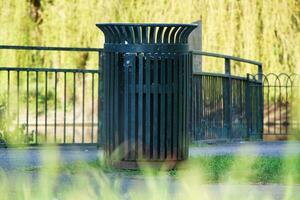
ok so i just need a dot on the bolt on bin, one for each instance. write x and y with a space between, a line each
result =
147 72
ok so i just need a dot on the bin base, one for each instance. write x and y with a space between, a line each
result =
162 165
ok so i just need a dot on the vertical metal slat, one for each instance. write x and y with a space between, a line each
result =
148 107
55 105
36 106
162 109
169 67
155 133
27 105
180 107
140 105
18 99
126 105
175 108
46 105
65 105
93 88
116 100
83 107
74 107
132 112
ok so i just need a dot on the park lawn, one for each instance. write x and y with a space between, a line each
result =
211 169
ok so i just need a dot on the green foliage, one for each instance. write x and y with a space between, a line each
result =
263 169
267 169
10 133
260 30
214 168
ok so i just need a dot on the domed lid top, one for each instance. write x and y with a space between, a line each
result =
146 33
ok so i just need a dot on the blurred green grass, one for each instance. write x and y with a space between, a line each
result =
95 180
215 169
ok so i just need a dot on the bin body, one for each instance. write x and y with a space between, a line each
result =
147 91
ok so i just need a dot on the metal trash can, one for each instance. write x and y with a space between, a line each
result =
147 89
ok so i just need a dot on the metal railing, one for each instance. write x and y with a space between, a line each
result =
281 97
48 105
63 106
226 107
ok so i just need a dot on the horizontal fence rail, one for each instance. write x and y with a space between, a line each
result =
49 105
227 57
42 48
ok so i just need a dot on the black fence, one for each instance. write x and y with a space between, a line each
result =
63 106
226 107
48 105
281 97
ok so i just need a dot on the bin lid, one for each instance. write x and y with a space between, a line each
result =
146 33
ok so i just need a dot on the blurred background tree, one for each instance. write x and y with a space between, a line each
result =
264 30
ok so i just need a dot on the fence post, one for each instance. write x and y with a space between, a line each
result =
261 101
100 132
195 43
227 103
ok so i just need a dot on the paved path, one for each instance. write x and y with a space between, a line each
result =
249 148
26 158
15 158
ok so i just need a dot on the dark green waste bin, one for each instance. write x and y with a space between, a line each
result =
147 89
